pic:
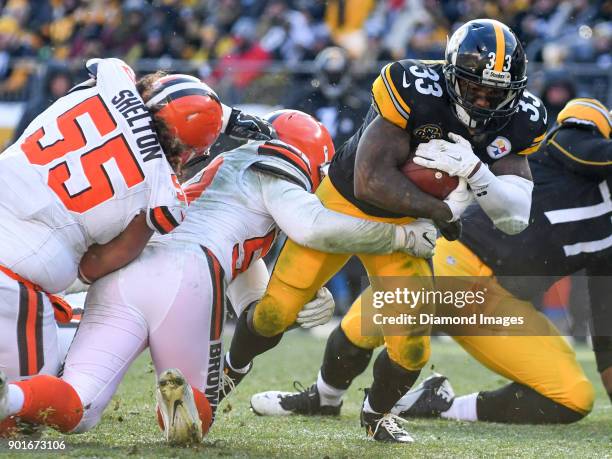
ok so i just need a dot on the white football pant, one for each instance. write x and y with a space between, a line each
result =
28 331
170 300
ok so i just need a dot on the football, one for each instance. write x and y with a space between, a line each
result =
431 181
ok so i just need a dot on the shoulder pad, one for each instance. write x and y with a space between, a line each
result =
404 84
531 121
284 160
589 112
390 96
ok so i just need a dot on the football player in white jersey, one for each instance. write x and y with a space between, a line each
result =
171 298
88 182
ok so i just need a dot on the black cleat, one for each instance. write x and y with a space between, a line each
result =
230 379
305 402
385 427
430 398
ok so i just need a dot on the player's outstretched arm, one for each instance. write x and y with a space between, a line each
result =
306 221
382 150
100 260
242 126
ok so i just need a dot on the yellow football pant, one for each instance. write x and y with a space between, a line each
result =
300 272
537 356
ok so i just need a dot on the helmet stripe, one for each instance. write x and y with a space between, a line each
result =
500 47
176 90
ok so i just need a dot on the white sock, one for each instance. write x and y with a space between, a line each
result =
463 408
329 395
367 408
237 370
15 399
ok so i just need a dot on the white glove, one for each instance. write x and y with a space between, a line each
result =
417 238
459 199
319 311
457 159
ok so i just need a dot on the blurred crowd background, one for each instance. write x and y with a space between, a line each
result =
234 43
316 55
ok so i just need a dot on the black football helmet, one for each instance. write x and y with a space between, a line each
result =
333 71
486 74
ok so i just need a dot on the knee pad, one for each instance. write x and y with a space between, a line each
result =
409 352
270 318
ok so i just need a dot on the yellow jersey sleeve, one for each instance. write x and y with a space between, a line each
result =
387 99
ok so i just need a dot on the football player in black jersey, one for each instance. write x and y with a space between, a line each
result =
468 115
570 229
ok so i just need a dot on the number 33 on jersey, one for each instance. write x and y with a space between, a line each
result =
97 152
412 94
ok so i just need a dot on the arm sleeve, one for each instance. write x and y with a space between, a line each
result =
302 217
506 199
582 150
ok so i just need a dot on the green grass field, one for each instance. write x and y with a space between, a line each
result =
129 427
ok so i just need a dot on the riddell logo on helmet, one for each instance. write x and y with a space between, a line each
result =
497 77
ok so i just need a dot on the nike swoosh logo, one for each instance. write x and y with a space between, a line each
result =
405 83
426 237
456 158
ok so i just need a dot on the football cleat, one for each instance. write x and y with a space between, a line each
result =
430 398
182 424
305 402
4 402
230 379
385 427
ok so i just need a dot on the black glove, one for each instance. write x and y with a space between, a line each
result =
248 127
450 230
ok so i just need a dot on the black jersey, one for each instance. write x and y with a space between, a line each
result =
412 95
570 225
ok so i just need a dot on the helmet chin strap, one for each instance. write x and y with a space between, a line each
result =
464 117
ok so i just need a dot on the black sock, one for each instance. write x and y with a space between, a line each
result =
391 382
248 344
343 361
519 404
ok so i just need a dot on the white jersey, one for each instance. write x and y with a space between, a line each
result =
227 213
81 171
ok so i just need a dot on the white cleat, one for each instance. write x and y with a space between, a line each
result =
182 425
269 403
